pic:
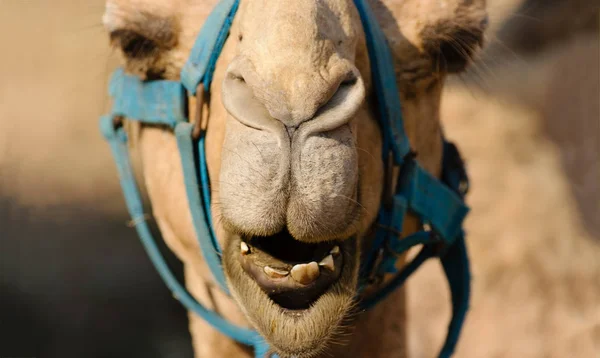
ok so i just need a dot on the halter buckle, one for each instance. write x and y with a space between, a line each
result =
117 121
454 164
375 277
200 94
438 246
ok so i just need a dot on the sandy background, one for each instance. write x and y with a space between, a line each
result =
75 282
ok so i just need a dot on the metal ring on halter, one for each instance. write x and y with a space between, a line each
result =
463 187
374 278
198 115
117 121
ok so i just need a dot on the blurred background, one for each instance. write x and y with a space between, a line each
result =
75 281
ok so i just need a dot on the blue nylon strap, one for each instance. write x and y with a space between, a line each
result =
118 143
205 186
439 205
204 233
455 261
456 268
397 247
208 46
432 200
384 79
262 349
155 102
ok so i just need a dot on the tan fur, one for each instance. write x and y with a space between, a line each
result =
292 75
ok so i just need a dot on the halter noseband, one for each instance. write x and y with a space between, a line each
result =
439 204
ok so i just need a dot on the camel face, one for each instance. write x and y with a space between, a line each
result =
293 144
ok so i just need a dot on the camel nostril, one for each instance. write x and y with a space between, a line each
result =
236 77
310 104
350 79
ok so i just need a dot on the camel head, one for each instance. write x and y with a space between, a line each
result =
293 142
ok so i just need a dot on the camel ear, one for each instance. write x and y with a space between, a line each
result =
447 36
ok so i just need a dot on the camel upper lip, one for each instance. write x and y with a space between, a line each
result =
293 274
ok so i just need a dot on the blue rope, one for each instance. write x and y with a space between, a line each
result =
456 268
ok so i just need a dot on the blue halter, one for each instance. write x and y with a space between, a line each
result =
439 204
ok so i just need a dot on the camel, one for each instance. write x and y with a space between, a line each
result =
268 135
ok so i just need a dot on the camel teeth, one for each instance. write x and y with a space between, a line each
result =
335 250
305 273
328 263
244 249
275 273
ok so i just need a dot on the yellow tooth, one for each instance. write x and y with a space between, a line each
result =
244 248
275 273
335 250
305 273
328 263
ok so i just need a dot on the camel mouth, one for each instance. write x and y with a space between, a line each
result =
296 318
292 273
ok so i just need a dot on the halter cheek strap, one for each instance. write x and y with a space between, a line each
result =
438 204
165 103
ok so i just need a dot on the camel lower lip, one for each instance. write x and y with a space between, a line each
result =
296 280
